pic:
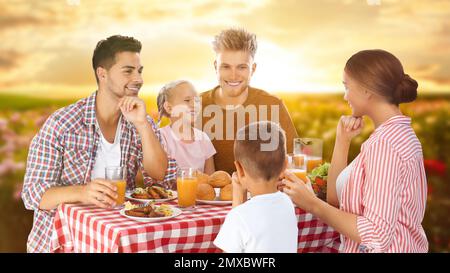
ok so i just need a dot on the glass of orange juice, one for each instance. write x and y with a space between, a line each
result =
296 165
187 188
312 148
116 175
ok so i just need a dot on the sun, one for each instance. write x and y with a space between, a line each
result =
282 70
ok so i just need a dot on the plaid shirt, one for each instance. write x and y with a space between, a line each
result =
63 153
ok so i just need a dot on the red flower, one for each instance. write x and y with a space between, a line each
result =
433 166
17 194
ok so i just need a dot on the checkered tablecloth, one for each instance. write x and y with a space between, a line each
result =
90 229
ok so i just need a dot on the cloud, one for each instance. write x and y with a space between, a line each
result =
176 55
18 21
9 59
69 66
19 14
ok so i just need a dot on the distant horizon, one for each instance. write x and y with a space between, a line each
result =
151 95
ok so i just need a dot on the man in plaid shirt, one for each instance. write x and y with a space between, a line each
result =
67 157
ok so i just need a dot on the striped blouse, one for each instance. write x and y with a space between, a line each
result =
387 189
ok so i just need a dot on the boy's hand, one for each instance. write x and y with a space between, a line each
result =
239 191
236 183
280 184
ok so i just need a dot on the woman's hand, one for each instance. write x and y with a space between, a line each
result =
348 127
301 194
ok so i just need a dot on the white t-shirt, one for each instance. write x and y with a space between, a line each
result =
265 224
342 180
108 154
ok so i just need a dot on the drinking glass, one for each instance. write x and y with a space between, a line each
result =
187 188
312 148
116 175
296 165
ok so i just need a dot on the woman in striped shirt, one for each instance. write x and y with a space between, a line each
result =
377 202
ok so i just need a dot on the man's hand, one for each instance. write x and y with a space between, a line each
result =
133 109
99 192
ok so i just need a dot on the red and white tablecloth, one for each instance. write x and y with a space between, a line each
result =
91 229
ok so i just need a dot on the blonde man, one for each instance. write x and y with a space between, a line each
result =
234 103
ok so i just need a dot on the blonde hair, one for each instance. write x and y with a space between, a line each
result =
164 95
235 39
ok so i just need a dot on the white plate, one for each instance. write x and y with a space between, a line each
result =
174 196
176 212
216 201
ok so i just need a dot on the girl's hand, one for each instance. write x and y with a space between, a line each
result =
301 194
348 127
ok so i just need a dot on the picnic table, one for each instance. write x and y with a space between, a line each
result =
88 229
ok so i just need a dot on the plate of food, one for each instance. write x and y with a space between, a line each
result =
149 212
151 193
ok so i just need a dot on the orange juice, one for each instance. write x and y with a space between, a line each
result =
187 191
300 174
121 187
299 160
312 163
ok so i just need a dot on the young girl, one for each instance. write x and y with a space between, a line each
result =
190 147
377 202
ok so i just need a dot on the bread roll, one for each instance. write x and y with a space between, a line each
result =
205 192
226 193
202 177
219 179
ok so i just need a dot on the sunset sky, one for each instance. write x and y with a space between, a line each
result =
46 46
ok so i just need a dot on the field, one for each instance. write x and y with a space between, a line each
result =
313 115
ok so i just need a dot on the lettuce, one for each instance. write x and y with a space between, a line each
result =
320 171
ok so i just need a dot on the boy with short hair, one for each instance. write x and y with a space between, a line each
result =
267 222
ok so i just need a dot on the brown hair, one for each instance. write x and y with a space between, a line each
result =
235 39
105 51
381 72
250 153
